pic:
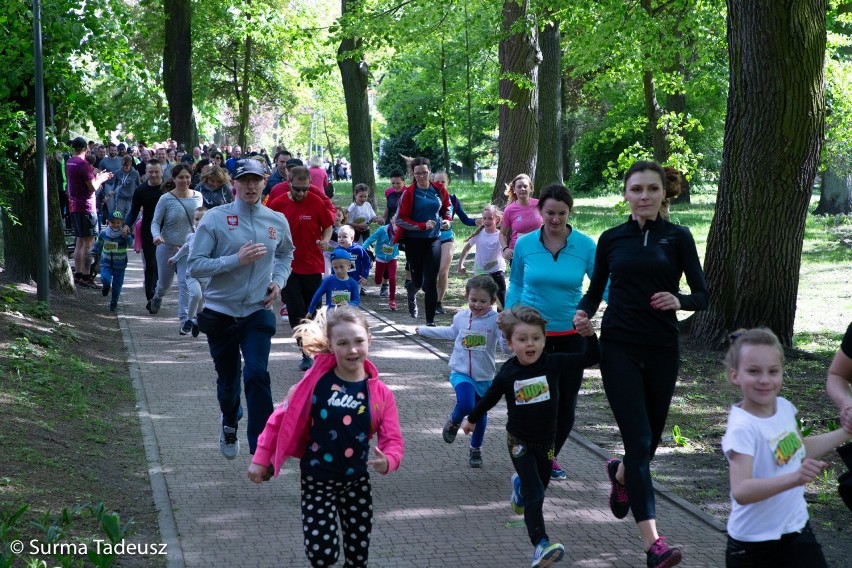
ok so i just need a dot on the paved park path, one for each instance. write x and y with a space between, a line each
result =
434 511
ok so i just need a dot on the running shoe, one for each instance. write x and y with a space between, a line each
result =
450 430
546 554
186 327
195 329
439 309
412 301
105 289
475 458
392 306
282 313
113 306
556 472
618 502
517 500
229 445
306 363
156 302
661 555
383 292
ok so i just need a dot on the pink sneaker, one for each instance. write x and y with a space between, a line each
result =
392 306
283 312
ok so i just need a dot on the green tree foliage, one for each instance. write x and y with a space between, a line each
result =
612 47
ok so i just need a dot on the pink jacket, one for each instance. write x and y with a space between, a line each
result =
287 430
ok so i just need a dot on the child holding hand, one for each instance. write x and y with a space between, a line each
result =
327 421
531 382
770 461
472 363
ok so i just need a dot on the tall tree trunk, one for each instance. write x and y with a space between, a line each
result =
835 196
177 71
653 111
519 57
355 74
21 265
470 158
549 167
245 100
444 142
773 134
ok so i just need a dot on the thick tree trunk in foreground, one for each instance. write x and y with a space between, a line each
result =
177 72
836 194
549 166
519 60
355 76
773 133
21 264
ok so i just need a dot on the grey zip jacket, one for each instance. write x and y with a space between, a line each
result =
237 290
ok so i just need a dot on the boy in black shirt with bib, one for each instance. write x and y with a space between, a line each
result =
531 382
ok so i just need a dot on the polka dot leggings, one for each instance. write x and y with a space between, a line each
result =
323 502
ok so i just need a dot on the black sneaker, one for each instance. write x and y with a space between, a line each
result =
450 431
383 292
113 306
475 459
306 363
195 329
105 290
661 555
155 304
148 306
618 502
186 327
439 309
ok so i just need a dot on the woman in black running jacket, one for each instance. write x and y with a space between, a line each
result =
643 259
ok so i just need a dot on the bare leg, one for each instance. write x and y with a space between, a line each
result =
444 270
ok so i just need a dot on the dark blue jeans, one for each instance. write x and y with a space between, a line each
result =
533 464
792 550
115 278
251 336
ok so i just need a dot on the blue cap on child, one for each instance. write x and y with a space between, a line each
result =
341 254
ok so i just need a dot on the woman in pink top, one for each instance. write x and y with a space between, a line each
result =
521 215
328 420
318 176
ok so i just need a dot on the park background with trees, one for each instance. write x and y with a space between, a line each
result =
752 98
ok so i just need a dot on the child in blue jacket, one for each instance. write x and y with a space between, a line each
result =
387 252
112 244
361 260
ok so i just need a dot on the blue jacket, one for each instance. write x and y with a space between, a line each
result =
386 249
112 246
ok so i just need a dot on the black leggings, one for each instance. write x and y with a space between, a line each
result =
424 257
533 464
574 343
324 503
499 278
639 381
149 253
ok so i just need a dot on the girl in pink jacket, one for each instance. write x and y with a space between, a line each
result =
327 421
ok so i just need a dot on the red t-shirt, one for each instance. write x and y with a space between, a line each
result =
307 219
80 198
283 188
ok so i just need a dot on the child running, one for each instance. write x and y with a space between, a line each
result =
770 462
531 382
489 255
195 286
472 363
387 252
328 420
338 289
361 261
112 244
361 213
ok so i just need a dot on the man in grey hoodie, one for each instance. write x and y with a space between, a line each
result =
246 251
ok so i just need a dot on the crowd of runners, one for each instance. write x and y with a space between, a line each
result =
243 233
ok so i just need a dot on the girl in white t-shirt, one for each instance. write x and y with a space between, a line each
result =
770 462
361 213
489 258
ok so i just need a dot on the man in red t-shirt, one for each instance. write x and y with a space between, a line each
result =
82 185
283 187
310 225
